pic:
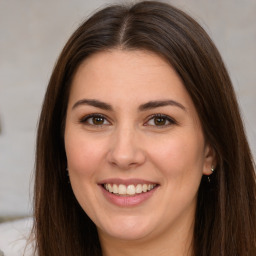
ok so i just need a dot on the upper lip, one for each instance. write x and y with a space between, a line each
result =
126 181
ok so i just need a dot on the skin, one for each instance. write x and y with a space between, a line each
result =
129 143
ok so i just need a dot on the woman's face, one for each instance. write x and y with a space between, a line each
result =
135 148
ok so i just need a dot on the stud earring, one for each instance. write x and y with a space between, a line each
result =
212 170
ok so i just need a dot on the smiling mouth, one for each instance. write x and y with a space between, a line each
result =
129 190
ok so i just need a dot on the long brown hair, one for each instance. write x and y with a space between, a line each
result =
225 221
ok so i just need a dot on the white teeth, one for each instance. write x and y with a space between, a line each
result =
110 189
122 189
131 189
144 187
115 189
138 189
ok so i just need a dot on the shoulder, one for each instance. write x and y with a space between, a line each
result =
14 236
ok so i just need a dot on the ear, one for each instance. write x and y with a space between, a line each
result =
209 160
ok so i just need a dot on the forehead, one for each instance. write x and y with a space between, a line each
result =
127 66
122 68
119 77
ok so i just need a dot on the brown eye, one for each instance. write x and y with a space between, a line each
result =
98 120
95 120
160 120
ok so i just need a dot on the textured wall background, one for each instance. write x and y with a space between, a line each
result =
32 33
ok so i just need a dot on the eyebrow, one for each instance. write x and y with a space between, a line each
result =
147 106
94 103
160 103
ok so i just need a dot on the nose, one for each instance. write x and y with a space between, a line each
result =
126 150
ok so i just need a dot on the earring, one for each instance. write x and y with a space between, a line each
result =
212 170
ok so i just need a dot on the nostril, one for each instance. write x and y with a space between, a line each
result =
127 158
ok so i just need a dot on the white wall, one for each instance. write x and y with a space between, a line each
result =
32 34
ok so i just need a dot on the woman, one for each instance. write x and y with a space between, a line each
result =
140 147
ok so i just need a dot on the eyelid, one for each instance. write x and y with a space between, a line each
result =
84 119
168 118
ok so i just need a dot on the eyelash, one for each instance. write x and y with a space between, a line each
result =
162 116
84 120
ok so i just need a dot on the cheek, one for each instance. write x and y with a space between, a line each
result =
83 154
182 154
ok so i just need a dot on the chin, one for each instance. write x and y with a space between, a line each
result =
128 235
128 229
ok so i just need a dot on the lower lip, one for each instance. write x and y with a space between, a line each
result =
127 201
